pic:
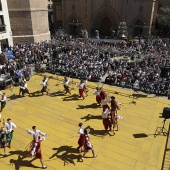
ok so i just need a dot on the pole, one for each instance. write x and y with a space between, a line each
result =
152 13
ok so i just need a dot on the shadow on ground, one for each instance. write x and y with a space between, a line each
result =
89 117
67 154
92 106
71 97
98 133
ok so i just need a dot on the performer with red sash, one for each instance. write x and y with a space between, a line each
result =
87 145
114 115
81 137
35 133
36 151
106 122
102 93
85 90
81 88
98 97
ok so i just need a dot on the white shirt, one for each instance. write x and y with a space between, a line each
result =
105 114
66 82
97 92
43 83
10 126
36 133
24 86
81 86
105 101
3 98
81 131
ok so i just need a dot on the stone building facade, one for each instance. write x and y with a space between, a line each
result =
5 27
106 15
29 20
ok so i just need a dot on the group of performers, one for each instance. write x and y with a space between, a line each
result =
109 113
82 87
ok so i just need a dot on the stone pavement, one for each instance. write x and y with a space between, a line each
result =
134 147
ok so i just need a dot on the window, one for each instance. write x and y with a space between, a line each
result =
0 5
2 24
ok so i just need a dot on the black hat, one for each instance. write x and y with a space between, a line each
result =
8 119
80 124
34 127
112 97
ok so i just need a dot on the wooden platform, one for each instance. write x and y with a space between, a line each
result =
134 147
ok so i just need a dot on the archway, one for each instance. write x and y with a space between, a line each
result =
104 20
139 25
105 26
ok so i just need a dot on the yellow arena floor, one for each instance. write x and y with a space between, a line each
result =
133 147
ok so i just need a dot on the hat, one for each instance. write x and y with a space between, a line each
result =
8 119
33 127
112 97
80 124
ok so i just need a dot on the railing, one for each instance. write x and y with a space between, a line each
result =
166 148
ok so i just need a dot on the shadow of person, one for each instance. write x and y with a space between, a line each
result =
89 117
58 93
72 97
17 152
68 158
98 133
35 94
12 97
67 154
22 163
93 105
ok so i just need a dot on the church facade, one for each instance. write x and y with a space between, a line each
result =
106 15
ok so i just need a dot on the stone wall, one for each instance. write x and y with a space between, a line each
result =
29 20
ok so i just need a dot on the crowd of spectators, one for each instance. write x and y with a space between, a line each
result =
92 59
